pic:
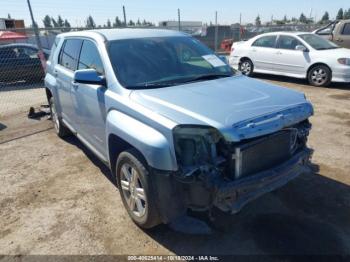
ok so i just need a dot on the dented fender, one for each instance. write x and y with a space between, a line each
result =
153 144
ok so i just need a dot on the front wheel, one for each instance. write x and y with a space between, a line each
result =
246 67
320 75
135 187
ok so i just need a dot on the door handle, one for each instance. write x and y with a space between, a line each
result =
254 50
278 53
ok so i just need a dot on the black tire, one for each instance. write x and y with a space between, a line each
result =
319 75
60 128
133 159
246 66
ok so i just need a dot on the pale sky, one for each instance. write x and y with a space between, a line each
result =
76 11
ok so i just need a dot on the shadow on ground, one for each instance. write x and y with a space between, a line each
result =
310 215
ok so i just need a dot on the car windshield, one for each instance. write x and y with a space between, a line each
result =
318 42
164 61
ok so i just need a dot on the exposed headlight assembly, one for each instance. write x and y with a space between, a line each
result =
344 61
195 145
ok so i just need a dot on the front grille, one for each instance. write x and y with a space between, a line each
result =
262 154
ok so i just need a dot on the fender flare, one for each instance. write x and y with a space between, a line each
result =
152 144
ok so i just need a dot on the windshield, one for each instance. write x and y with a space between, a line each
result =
164 61
318 42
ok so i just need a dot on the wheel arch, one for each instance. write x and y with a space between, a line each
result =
123 132
318 64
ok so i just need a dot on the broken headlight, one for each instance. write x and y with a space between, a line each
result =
195 145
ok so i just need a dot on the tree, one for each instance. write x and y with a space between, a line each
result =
55 24
325 18
9 16
346 14
66 24
60 21
90 23
109 24
303 19
285 19
117 22
258 21
47 22
131 23
138 23
340 14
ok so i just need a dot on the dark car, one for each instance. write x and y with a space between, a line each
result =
21 62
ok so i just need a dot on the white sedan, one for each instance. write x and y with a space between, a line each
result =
296 54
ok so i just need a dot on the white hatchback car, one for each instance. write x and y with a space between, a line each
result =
294 54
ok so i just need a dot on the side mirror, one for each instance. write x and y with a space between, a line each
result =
89 76
301 48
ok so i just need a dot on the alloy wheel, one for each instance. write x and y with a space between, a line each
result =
133 190
319 76
246 68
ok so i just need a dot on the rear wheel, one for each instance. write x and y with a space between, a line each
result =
135 187
320 75
246 67
60 129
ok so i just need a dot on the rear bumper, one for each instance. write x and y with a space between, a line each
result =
231 197
234 196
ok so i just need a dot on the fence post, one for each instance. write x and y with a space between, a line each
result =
38 42
216 31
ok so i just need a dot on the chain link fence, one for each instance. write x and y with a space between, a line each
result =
22 75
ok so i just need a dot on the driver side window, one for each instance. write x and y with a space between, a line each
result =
90 58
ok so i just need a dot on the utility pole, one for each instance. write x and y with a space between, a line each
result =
179 19
216 31
124 16
37 38
240 26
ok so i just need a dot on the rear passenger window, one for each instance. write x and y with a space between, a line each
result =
90 57
70 53
346 29
266 41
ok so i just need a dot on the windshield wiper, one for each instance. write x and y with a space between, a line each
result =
207 77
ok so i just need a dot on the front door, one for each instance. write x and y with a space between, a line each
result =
289 60
88 100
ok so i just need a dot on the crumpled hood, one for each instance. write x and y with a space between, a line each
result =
239 107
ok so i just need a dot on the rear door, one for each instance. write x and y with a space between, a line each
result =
262 51
64 73
342 36
289 60
88 100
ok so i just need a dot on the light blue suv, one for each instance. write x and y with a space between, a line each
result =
179 129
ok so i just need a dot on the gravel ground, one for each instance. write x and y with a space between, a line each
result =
57 198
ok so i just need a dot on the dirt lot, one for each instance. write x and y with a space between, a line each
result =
57 198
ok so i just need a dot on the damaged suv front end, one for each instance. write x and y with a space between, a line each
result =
227 169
